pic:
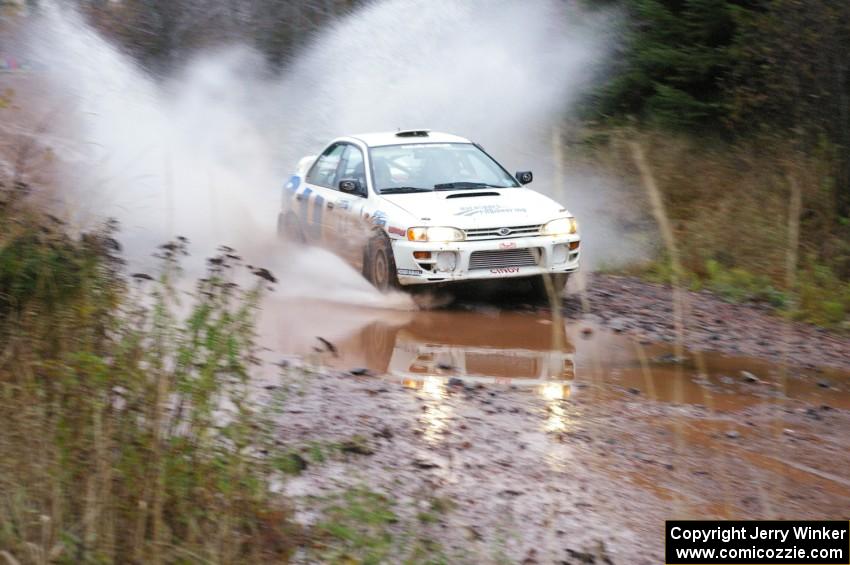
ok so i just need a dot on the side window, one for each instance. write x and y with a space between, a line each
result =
352 166
324 169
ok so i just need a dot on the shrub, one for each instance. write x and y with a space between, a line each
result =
129 428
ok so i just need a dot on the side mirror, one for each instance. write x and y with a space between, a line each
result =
351 186
524 177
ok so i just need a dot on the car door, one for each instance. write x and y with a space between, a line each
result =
319 190
345 210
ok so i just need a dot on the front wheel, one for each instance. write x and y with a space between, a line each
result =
380 266
539 289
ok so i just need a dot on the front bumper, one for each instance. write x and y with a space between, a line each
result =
546 251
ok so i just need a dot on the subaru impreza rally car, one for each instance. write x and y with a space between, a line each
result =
417 207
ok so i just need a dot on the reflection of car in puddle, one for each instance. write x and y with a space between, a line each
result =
513 349
488 347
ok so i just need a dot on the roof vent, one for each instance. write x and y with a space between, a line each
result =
412 133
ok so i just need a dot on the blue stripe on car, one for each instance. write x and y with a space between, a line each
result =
293 183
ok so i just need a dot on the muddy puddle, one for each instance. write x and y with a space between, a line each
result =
681 432
574 432
526 350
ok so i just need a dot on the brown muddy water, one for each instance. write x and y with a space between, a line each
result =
525 350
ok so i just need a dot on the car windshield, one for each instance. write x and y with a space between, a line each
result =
421 167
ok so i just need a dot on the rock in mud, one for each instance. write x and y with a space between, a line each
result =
599 557
749 377
328 346
618 324
425 464
473 533
667 359
356 445
511 492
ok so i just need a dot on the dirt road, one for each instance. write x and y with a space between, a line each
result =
565 451
645 311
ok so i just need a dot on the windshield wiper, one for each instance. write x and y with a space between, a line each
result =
403 189
464 184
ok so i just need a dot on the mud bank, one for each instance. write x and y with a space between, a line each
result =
645 310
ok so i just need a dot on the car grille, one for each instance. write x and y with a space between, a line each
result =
501 365
504 258
493 233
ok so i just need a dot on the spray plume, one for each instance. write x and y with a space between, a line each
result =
204 151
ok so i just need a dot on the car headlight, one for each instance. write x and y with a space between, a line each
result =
435 234
561 226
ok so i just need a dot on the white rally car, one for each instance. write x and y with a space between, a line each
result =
418 207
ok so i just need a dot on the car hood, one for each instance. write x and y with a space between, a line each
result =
485 208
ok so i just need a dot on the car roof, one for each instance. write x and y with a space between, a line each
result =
406 137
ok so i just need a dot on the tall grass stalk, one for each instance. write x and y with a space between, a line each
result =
795 203
663 221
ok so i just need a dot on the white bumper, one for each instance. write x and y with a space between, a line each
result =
485 259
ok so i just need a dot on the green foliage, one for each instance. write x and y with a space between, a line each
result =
360 525
290 463
356 527
740 285
47 268
6 98
129 428
739 68
823 298
675 58
792 75
819 297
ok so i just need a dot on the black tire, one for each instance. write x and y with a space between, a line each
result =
380 265
538 286
289 228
